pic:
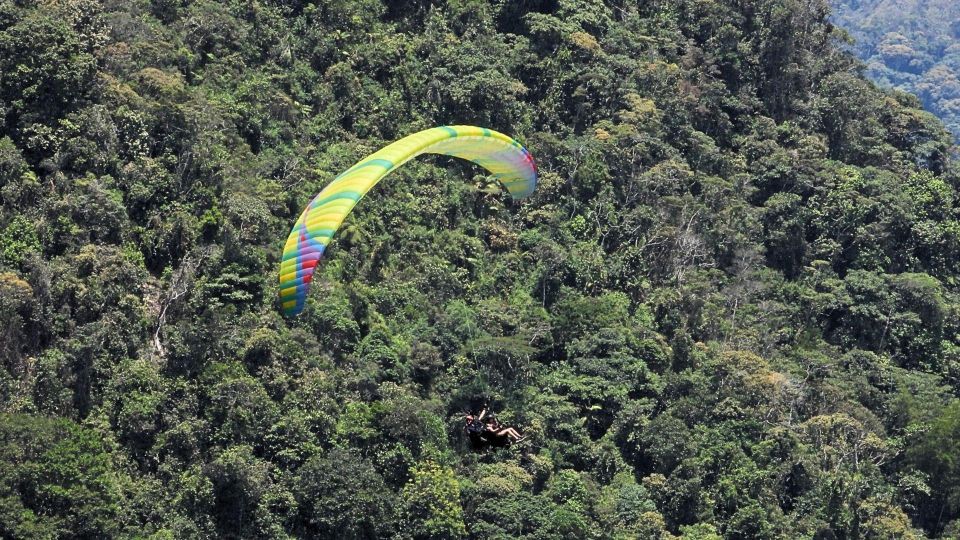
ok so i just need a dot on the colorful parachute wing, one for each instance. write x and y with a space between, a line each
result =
505 158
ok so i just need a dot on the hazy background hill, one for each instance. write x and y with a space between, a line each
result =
911 45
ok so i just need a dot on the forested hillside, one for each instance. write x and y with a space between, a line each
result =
730 310
911 45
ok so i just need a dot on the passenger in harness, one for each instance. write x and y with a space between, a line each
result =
484 430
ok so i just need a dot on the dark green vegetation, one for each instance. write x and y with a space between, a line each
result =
730 310
911 45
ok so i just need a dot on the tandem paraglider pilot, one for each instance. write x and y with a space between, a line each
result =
484 430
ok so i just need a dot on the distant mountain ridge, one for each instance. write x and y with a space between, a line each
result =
911 45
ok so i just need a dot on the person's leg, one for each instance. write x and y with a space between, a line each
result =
509 432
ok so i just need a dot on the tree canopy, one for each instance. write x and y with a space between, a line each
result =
911 46
729 310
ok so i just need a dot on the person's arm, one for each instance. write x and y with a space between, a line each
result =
483 413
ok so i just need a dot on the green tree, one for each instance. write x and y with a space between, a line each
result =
56 479
431 503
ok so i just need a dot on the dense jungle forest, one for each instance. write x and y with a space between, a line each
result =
729 311
911 45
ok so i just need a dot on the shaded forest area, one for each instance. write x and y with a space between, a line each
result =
910 45
730 310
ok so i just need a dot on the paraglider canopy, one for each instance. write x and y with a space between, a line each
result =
505 158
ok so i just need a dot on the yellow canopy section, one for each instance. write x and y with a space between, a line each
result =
504 157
